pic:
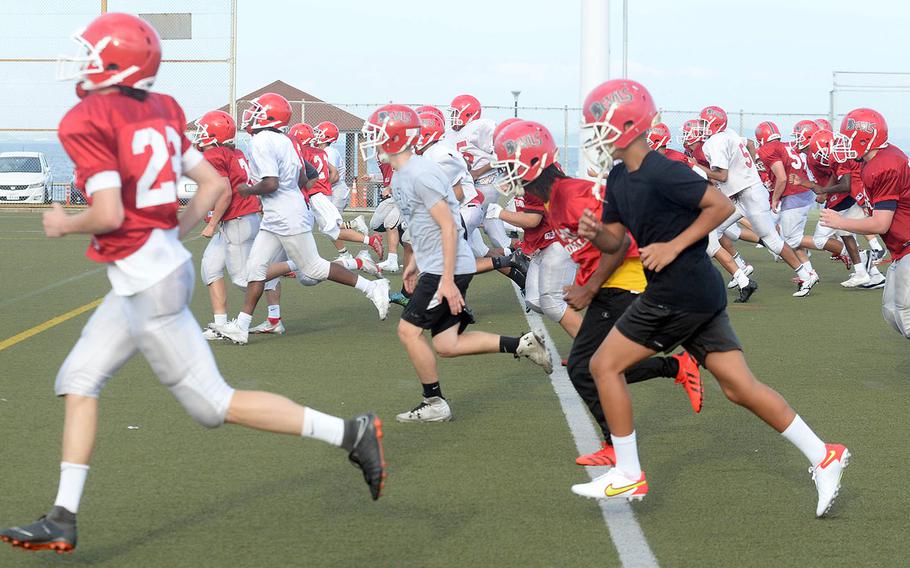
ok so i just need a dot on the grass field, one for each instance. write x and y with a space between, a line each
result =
488 489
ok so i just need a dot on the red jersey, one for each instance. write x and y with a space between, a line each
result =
696 153
823 176
886 178
676 155
541 236
140 146
569 197
386 171
775 151
857 188
231 163
318 158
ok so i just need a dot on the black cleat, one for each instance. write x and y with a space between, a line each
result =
367 453
520 260
746 293
54 531
517 276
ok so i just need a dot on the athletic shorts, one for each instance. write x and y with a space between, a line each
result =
660 328
426 313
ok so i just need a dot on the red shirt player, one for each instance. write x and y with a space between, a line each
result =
303 136
659 140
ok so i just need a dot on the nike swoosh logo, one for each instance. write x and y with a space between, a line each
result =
611 491
827 461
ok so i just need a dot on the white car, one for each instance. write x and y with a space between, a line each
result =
25 177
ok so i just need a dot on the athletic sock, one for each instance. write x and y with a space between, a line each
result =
803 273
808 265
432 389
741 279
392 258
220 319
342 251
627 454
738 259
364 285
329 429
508 344
860 267
72 483
801 436
244 320
366 239
874 273
274 312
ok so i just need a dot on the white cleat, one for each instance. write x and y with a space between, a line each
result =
367 264
856 280
613 485
433 409
268 327
360 225
210 334
827 476
232 332
379 295
343 257
389 267
748 270
532 346
806 286
875 282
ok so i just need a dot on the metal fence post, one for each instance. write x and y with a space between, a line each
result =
741 122
565 136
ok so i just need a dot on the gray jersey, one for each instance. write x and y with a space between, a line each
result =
417 187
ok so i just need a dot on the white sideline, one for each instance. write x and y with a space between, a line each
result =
625 531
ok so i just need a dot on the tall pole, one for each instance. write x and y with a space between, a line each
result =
595 57
104 6
515 97
625 39
232 82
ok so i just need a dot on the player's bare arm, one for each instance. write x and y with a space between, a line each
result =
333 174
717 174
211 188
221 206
519 219
459 192
780 184
104 215
877 224
608 238
265 186
481 171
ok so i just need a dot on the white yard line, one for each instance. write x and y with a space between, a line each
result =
626 533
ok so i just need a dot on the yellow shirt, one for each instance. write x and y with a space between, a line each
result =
630 275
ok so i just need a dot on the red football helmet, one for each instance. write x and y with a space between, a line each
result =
607 110
823 124
118 49
803 131
766 132
303 133
431 130
861 131
268 110
820 147
689 131
502 125
658 136
523 150
326 132
464 109
391 129
431 109
215 127
711 120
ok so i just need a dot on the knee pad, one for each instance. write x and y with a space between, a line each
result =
317 270
553 307
774 242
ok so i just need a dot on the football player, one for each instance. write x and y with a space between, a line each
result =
325 135
439 271
733 168
669 211
885 174
276 170
129 150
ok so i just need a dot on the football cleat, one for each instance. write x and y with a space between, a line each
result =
360 225
613 485
232 332
367 453
376 244
209 333
341 258
748 270
379 295
532 346
389 267
269 327
875 282
827 475
433 409
746 293
367 264
856 280
690 378
878 256
54 531
520 260
845 258
805 286
604 457
400 299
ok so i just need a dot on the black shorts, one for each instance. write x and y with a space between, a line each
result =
660 328
438 318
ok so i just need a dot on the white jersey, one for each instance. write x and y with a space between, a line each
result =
455 168
285 211
337 161
476 140
726 150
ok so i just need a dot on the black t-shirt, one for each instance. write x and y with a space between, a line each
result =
656 203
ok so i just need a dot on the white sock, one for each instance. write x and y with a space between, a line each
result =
874 244
741 279
275 311
627 455
292 266
803 273
801 436
393 258
220 319
366 239
364 285
739 261
860 267
244 320
72 482
329 429
808 265
874 273
342 251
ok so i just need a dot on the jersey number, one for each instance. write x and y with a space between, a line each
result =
158 183
797 163
246 168
746 155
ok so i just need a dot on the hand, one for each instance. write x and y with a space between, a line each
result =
449 292
820 198
578 297
589 226
409 278
657 256
794 179
830 219
55 221
209 231
494 210
775 205
365 178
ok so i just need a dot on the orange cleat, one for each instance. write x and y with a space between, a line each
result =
604 457
690 378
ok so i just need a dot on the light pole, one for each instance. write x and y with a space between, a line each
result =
515 96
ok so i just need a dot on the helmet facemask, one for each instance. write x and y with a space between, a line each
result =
842 147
